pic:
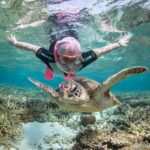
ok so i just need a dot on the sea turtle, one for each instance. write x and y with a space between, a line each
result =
86 95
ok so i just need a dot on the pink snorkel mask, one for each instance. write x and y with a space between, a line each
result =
67 51
67 59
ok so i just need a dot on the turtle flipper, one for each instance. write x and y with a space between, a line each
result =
46 88
118 77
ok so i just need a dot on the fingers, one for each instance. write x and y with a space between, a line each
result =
124 39
12 39
122 36
126 36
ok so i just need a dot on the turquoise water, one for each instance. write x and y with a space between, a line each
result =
16 65
23 106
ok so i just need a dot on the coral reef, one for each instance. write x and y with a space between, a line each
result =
20 105
32 105
127 128
10 128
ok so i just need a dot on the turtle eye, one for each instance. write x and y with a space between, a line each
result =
61 85
73 88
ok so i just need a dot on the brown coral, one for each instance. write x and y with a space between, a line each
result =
126 129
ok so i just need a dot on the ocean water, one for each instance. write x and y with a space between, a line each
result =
16 65
22 19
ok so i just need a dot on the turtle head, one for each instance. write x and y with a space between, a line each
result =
72 92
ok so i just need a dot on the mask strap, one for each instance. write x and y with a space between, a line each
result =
55 52
57 58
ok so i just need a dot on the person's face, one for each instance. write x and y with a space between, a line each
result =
75 61
70 59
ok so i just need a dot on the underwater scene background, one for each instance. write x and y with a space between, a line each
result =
28 118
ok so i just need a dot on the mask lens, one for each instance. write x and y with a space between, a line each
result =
77 61
63 61
66 60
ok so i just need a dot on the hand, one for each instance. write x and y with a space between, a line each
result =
123 41
12 39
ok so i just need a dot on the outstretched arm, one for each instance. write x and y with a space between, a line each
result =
27 46
123 41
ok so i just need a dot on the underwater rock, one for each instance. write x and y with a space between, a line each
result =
87 119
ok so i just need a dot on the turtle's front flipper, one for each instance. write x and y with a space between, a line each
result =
118 77
46 88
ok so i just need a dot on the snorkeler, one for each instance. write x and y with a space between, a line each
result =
67 57
64 55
